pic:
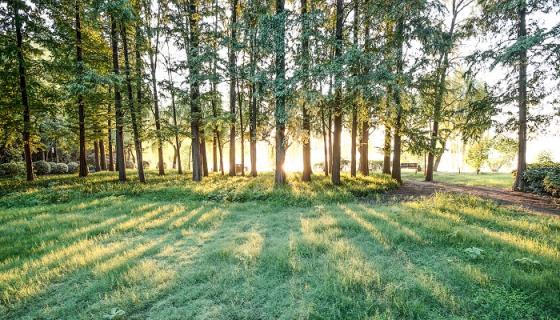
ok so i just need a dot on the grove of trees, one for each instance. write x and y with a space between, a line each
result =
114 78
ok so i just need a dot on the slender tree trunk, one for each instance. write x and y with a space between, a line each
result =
194 84
96 156
364 146
232 85
174 114
438 158
214 154
306 121
522 100
23 91
101 155
203 155
110 137
325 143
399 35
153 54
81 108
119 114
241 127
280 84
354 129
336 161
253 130
134 121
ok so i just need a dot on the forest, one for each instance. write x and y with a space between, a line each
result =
151 148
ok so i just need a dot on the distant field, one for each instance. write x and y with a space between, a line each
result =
497 180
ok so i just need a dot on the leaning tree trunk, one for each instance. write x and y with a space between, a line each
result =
81 108
195 94
335 176
279 86
232 84
306 121
119 112
134 121
522 101
23 91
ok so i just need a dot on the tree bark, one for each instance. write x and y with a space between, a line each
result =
519 184
134 121
306 121
232 85
153 54
280 85
101 155
81 108
119 112
203 155
23 91
241 128
354 128
336 161
110 138
325 143
399 36
96 156
194 92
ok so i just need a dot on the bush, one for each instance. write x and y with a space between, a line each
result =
59 168
129 165
552 184
42 167
73 167
146 164
52 164
12 169
535 175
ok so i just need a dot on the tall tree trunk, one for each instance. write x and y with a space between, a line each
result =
354 129
232 85
23 91
134 121
96 156
194 84
174 114
101 154
364 146
110 137
81 108
336 161
279 86
306 121
443 65
325 143
153 54
522 100
399 36
203 155
214 154
119 112
253 129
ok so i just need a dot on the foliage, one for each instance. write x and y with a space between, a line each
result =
12 169
478 153
544 157
42 167
536 173
506 149
551 183
73 167
59 168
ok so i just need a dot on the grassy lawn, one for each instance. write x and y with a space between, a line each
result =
235 248
497 180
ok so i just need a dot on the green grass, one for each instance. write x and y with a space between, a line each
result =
497 180
238 249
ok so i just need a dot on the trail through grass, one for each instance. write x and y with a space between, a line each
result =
239 249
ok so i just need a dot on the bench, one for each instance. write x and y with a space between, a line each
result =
410 165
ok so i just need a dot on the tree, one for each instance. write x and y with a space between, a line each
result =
232 85
477 154
194 92
119 112
335 176
280 113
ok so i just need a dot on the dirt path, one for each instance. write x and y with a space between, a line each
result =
532 202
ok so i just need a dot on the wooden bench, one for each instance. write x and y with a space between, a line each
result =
410 165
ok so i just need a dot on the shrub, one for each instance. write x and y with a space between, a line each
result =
129 165
552 184
12 169
59 168
536 173
73 167
52 164
146 164
42 167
